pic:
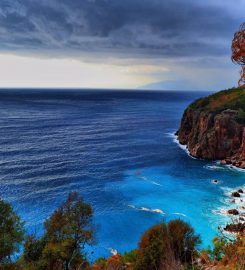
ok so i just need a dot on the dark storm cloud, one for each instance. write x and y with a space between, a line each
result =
151 27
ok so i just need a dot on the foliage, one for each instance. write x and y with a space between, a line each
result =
33 249
233 98
218 250
183 240
67 232
234 254
171 246
226 254
154 247
100 264
167 246
241 116
238 49
130 257
11 232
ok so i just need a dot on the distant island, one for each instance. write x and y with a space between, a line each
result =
213 127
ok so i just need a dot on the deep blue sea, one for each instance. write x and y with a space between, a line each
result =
117 149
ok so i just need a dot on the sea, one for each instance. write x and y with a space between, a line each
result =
118 150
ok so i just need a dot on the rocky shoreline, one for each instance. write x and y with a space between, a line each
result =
237 213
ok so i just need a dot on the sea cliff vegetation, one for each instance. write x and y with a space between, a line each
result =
166 246
213 127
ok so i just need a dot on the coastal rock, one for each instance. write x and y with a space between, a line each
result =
236 194
233 212
235 228
211 131
240 190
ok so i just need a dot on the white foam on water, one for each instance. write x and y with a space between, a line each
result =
234 168
149 181
213 167
228 192
183 147
155 183
231 202
113 251
158 211
179 214
221 211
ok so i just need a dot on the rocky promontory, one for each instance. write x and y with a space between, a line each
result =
214 127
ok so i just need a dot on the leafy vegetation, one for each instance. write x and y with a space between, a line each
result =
11 232
170 246
166 246
233 99
62 245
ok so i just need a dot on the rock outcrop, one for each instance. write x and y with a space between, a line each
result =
214 128
233 212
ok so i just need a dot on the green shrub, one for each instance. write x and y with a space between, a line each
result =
11 232
167 246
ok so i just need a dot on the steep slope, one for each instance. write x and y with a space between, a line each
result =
214 127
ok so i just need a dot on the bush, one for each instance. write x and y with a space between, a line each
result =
183 240
241 116
11 232
167 246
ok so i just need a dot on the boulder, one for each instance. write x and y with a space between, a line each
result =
235 228
236 194
233 212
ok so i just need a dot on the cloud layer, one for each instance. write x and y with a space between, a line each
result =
119 43
159 28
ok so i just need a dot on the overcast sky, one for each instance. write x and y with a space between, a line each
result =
161 44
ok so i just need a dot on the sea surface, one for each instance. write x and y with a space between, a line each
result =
117 149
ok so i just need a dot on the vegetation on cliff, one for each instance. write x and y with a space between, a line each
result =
233 99
170 246
213 127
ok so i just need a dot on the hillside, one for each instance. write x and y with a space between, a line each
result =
214 127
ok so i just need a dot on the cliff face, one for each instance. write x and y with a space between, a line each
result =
213 128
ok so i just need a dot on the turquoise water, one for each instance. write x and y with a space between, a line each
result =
117 149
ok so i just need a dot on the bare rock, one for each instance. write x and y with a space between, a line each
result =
233 212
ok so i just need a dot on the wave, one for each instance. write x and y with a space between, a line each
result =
155 183
183 147
179 214
231 202
138 174
113 251
221 211
213 167
234 168
228 191
158 211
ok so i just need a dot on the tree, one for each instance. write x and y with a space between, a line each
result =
238 52
11 232
154 248
32 254
68 230
167 246
183 240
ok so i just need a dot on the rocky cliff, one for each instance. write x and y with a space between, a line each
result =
214 127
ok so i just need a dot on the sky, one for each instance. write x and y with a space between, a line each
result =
120 44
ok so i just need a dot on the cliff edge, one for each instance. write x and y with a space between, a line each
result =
214 127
